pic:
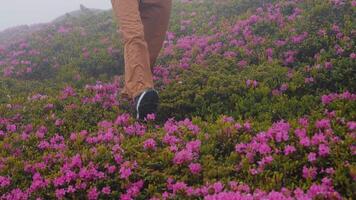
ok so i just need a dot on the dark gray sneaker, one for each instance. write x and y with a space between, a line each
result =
146 103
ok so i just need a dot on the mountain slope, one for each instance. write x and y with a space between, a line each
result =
257 102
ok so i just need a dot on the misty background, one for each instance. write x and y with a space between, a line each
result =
21 12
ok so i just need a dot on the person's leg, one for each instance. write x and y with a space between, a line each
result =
138 75
155 16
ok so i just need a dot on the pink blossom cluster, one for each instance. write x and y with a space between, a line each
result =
149 144
329 98
104 94
4 181
240 35
161 73
77 172
234 190
197 48
64 29
251 83
106 134
136 129
37 96
338 2
16 58
67 92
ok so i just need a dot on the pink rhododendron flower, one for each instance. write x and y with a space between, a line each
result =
195 168
289 149
312 157
353 3
122 120
351 125
339 50
183 156
323 124
59 122
149 144
324 150
253 171
230 54
309 173
135 130
125 171
242 64
193 146
251 83
106 190
151 117
328 65
218 187
60 193
11 128
2 133
4 181
337 2
93 194
353 55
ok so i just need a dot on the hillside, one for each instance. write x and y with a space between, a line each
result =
77 14
10 35
15 34
258 101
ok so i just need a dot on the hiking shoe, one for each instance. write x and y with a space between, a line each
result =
146 103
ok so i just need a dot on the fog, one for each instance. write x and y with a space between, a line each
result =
19 12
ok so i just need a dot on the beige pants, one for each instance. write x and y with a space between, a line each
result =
143 25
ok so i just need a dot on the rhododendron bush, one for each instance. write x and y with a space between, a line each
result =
258 101
59 148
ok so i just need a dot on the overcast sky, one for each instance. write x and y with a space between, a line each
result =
18 12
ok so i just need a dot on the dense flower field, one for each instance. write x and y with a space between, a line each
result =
258 102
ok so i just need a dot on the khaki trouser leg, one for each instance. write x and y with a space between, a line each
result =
155 16
143 31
